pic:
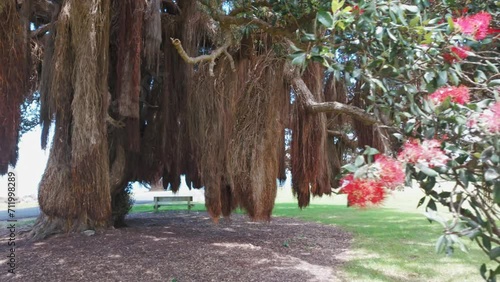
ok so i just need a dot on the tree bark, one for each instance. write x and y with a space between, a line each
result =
74 192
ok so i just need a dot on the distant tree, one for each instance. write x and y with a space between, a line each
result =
150 90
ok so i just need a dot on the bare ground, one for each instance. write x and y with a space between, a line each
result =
182 246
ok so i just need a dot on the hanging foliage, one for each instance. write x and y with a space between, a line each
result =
128 67
310 167
13 80
75 185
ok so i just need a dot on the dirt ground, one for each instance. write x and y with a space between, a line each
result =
182 246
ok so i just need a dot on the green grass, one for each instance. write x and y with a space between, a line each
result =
25 222
388 244
179 207
391 245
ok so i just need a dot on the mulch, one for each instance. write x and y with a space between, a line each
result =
185 246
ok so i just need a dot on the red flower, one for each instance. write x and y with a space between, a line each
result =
391 174
476 25
459 95
428 153
357 10
456 54
490 118
361 192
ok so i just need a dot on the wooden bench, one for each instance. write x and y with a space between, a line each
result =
172 200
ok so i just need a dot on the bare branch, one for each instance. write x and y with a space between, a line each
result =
307 98
204 58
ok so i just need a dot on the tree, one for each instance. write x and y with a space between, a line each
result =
150 90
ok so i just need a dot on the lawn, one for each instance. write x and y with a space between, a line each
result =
393 243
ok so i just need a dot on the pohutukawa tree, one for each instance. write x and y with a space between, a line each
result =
232 94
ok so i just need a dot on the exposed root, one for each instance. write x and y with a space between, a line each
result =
45 227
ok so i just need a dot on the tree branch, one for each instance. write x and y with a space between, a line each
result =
307 98
204 58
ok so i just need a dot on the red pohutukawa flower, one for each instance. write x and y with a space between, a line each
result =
459 95
391 171
384 173
490 118
476 25
457 53
361 192
428 153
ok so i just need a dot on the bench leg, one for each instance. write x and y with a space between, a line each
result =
156 206
189 206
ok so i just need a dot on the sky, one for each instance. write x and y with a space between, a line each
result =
32 162
30 166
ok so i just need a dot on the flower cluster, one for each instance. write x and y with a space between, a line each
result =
476 25
382 175
360 192
427 153
391 171
459 95
489 119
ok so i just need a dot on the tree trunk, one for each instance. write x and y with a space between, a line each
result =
74 192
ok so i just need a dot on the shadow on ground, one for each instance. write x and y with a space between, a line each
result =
182 246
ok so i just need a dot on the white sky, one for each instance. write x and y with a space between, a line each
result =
30 166
32 162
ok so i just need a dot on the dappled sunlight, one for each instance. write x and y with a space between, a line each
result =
319 272
236 245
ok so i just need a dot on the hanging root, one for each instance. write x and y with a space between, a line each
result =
205 58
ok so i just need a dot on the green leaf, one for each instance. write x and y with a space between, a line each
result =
494 253
492 67
350 167
299 59
410 8
429 76
370 151
441 244
463 177
325 18
421 201
431 205
429 184
455 239
444 194
379 84
496 193
451 24
494 82
360 160
491 174
415 21
442 78
486 242
336 5
409 127
482 270
428 171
